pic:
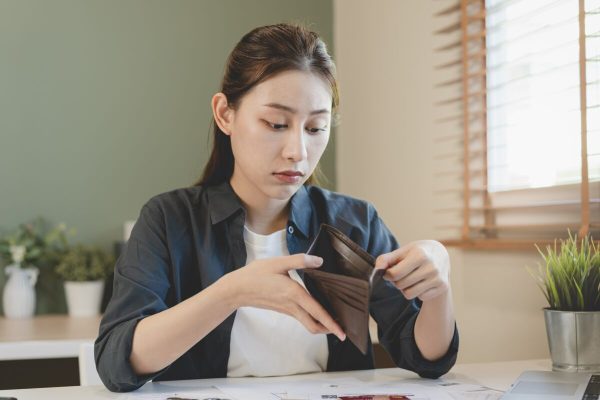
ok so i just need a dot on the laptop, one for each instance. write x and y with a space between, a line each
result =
546 385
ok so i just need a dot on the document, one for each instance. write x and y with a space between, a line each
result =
317 389
184 393
331 389
468 391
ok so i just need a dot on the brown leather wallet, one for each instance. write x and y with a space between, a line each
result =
345 280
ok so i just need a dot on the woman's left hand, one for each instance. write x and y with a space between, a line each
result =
419 269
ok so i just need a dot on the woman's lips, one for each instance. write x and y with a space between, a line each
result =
288 177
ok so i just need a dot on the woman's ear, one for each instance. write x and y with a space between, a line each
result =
222 113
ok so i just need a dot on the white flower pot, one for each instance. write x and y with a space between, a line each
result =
84 298
18 298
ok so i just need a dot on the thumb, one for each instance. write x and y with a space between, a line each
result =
383 261
297 261
386 260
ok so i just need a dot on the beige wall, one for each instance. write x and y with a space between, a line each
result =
385 155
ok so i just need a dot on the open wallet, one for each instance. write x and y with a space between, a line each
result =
345 280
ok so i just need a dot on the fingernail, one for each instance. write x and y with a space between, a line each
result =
318 260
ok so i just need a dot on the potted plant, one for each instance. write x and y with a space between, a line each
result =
30 246
84 269
570 281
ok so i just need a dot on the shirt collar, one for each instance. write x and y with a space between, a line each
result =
223 202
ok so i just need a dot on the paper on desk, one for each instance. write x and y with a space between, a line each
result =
286 389
491 395
199 393
468 391
414 391
329 389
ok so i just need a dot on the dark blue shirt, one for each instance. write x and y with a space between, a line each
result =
186 239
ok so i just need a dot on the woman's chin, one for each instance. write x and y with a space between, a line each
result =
283 192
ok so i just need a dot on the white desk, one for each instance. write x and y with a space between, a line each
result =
496 375
45 336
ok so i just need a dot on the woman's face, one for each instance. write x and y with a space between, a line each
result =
279 131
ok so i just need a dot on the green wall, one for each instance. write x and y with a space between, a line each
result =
104 104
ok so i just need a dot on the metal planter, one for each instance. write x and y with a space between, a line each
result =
574 340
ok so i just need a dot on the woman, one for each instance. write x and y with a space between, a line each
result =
207 285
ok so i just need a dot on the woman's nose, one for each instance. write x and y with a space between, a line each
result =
295 146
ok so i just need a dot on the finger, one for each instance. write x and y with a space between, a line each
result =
402 269
419 289
317 312
426 271
384 261
296 261
311 325
388 259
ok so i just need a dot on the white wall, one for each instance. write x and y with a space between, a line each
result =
385 59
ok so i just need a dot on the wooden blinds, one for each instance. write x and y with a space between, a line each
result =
499 63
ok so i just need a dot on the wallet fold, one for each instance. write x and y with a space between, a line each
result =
345 281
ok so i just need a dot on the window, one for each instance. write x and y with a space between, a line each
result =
533 94
519 120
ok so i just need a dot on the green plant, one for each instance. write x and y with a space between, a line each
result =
570 279
35 243
85 263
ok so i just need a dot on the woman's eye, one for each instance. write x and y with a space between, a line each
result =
276 127
316 130
279 127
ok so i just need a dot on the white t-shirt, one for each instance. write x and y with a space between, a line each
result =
268 343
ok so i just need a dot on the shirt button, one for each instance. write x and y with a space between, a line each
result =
290 229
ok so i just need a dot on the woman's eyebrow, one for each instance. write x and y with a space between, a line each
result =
294 111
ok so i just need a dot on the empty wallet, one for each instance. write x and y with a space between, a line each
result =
345 280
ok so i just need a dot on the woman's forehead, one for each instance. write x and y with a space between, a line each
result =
292 91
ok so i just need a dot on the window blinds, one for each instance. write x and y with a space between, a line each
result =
517 146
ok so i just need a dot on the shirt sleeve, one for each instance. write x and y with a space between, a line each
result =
141 284
396 316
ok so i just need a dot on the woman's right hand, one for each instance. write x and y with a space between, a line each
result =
266 284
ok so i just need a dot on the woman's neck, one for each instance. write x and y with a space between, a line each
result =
264 215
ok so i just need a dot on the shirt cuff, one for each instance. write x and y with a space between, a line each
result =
433 369
112 359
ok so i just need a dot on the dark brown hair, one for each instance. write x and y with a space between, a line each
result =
259 55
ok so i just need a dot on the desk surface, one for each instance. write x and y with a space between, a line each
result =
497 375
45 336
